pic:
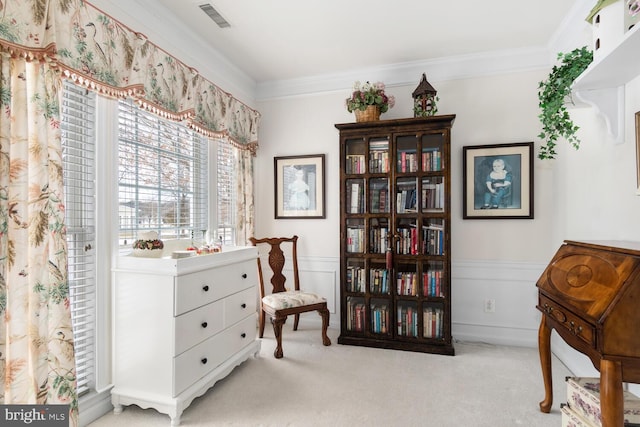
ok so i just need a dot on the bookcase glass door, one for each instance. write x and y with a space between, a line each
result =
355 195
379 155
407 159
379 195
407 319
432 194
355 157
433 278
380 316
432 151
355 272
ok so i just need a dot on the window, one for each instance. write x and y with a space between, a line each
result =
162 176
227 161
162 184
78 159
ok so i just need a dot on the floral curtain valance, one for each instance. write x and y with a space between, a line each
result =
94 50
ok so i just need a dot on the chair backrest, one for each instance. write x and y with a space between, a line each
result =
277 260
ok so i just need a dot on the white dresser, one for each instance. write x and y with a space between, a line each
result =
180 325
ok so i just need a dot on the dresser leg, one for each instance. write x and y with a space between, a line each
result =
544 348
611 400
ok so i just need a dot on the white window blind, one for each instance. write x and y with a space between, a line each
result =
78 156
162 180
227 164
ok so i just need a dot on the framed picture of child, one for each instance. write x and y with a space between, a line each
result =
498 181
299 186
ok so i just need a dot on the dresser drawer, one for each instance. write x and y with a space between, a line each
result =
200 288
197 325
240 305
569 321
198 361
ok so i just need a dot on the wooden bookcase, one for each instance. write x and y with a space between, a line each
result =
395 222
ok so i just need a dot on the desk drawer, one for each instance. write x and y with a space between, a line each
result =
568 320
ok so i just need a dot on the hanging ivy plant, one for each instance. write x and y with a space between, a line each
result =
553 95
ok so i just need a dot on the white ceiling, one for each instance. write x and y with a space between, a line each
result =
278 40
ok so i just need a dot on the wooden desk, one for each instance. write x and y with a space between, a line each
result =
590 294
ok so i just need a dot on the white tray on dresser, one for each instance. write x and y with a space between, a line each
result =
180 325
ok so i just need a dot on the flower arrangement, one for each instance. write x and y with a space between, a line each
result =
148 244
369 94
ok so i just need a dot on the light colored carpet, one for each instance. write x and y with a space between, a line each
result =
482 385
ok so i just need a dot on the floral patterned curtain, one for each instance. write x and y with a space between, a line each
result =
244 189
36 340
92 49
42 42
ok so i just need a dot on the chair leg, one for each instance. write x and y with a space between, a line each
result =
324 312
277 323
261 316
296 319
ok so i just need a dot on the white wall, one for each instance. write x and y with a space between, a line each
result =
496 259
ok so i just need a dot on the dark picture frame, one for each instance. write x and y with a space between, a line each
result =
511 193
299 187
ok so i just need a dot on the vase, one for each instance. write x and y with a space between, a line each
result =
370 114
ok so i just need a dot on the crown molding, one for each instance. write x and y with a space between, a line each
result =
400 74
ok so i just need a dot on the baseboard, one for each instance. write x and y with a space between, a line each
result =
495 334
93 406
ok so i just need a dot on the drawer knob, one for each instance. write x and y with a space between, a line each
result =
204 360
205 288
204 324
243 305
244 275
243 335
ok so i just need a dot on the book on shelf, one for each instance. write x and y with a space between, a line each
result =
379 318
407 161
431 159
407 283
433 239
355 278
432 195
583 398
356 198
379 279
407 321
378 159
431 283
407 240
406 201
355 163
378 196
355 315
355 240
432 322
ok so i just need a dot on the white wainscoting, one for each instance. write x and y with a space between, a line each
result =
512 285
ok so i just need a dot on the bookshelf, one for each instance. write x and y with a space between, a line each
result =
395 251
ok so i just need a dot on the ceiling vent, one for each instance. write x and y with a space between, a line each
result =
214 15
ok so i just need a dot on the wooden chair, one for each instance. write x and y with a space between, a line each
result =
282 302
